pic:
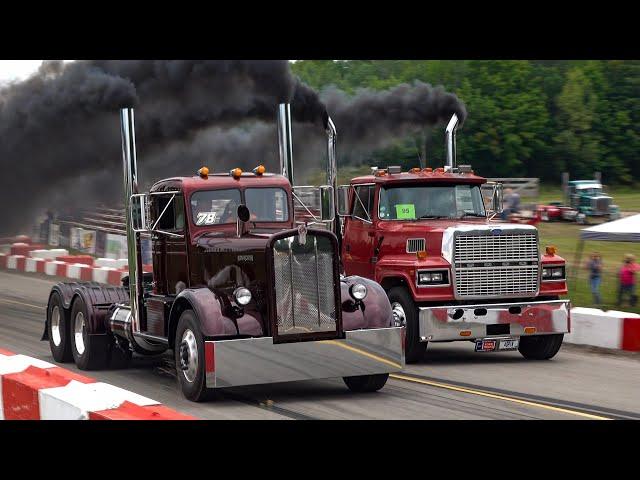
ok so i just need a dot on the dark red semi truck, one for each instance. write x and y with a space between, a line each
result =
240 292
450 270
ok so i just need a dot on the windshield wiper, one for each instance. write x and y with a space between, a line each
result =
434 216
473 214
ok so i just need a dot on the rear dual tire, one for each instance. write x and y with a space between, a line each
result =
540 347
58 330
93 352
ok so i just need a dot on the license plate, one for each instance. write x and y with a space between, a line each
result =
495 344
511 344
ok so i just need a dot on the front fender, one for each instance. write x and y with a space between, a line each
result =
377 309
209 311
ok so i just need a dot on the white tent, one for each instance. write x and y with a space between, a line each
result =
624 230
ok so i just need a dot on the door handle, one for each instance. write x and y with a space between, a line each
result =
347 248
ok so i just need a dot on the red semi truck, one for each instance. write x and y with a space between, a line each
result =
451 272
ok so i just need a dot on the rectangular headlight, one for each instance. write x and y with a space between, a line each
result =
553 273
434 278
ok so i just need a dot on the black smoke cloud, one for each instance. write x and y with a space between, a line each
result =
59 129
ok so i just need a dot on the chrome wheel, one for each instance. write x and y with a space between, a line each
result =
189 355
78 332
399 317
55 326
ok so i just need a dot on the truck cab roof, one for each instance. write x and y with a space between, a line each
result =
220 181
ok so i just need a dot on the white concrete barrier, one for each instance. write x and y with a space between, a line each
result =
32 264
49 254
51 268
14 261
606 329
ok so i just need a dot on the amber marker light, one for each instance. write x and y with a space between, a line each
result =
428 170
204 172
236 173
421 254
551 250
530 330
465 333
259 170
414 170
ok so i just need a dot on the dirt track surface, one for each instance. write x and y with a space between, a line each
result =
452 382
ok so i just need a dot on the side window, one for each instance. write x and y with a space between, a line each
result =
363 202
173 217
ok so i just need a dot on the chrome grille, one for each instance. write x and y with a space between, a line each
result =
494 266
304 284
601 205
415 245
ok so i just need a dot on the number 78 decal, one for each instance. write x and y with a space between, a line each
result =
206 218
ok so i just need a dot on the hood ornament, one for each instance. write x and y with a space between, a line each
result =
302 234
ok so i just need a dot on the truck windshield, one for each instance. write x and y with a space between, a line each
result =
409 202
267 204
216 207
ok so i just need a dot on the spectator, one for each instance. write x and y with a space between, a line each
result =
628 280
595 276
512 203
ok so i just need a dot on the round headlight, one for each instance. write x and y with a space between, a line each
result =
242 296
358 291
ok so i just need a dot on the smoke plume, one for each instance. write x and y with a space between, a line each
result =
60 140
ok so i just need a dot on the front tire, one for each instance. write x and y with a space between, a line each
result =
89 352
189 356
540 347
366 383
403 305
58 330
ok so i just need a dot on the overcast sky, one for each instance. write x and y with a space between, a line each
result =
18 69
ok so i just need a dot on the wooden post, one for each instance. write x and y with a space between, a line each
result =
565 182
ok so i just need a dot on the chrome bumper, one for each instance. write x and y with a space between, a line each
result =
251 361
448 322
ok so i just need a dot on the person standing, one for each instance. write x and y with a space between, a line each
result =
512 203
627 276
595 276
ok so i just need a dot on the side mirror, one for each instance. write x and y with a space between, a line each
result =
497 198
327 207
138 208
243 213
343 200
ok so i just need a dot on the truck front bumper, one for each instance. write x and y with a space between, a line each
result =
468 322
252 361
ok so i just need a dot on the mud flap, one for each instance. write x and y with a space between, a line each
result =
45 334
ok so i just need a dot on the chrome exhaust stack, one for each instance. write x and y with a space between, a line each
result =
285 143
130 167
332 168
450 141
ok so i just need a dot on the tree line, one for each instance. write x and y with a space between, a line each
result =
526 118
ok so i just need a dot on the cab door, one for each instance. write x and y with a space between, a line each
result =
170 264
359 232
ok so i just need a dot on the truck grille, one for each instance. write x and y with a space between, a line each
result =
494 266
601 205
304 285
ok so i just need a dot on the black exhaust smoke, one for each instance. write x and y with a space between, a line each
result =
59 132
